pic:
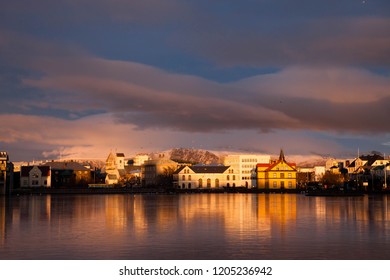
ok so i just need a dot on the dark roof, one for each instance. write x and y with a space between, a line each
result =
179 169
352 164
69 165
25 170
371 158
209 168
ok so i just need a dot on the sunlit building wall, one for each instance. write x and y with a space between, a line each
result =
277 175
245 165
206 176
35 176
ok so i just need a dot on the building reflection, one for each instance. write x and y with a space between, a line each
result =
367 208
223 217
2 220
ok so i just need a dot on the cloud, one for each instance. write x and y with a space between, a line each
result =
317 98
354 41
41 137
119 64
64 14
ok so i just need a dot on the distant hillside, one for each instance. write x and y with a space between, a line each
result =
193 156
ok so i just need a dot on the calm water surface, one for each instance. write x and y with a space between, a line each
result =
195 226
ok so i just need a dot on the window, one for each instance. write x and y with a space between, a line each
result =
275 185
189 177
289 175
228 177
183 177
282 175
216 183
200 183
275 175
290 184
234 177
209 183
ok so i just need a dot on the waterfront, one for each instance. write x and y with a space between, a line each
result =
194 226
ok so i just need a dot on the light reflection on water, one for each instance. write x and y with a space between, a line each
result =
194 226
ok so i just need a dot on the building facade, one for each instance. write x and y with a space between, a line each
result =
35 176
245 166
68 174
6 173
140 159
277 174
205 176
115 168
158 172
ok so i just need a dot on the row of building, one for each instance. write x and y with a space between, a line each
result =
249 171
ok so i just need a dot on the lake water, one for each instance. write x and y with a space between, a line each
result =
194 226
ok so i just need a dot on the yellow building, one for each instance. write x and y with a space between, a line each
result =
277 174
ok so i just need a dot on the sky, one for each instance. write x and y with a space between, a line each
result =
79 79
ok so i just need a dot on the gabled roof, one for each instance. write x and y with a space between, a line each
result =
367 160
371 158
25 170
352 164
270 166
177 171
71 165
209 168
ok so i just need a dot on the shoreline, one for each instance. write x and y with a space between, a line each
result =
159 190
140 190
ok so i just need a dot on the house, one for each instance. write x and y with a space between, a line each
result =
115 168
158 172
245 166
278 174
68 174
140 159
35 176
206 176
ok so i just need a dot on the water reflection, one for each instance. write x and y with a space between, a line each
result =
197 226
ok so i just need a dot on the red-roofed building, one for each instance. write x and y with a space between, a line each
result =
278 174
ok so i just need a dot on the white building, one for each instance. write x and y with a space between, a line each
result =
245 166
35 176
140 159
115 168
205 176
319 172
